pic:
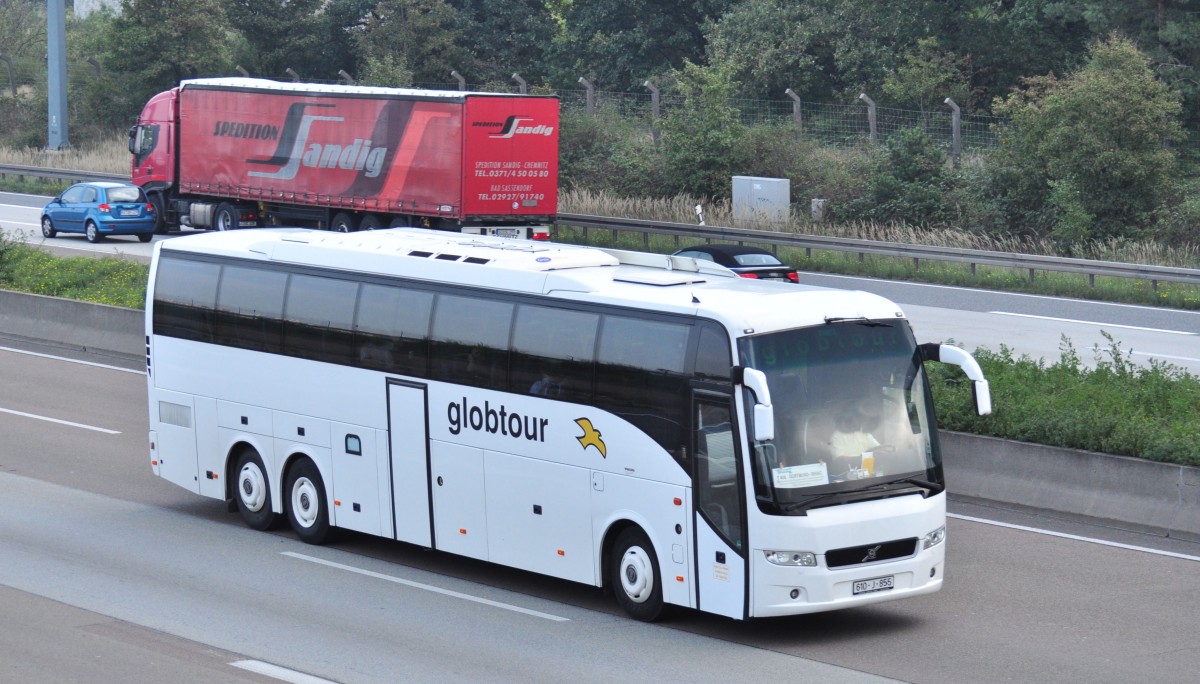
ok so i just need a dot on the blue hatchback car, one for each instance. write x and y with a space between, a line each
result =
100 209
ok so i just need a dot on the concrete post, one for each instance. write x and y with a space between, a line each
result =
655 110
95 65
797 118
345 76
295 76
590 96
243 72
12 84
870 116
462 82
520 83
955 132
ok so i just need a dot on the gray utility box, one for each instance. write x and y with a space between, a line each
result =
761 201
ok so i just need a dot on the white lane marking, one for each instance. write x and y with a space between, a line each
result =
1063 535
1103 325
1165 356
280 673
60 422
427 587
63 358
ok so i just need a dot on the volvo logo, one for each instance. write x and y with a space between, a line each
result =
872 554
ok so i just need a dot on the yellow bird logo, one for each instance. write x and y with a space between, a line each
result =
590 437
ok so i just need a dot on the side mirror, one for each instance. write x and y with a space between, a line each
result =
764 414
955 356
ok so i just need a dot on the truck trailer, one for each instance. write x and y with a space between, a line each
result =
226 153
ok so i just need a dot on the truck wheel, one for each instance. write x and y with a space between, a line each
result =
225 217
370 222
160 214
342 223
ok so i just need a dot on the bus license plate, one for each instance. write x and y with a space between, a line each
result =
875 584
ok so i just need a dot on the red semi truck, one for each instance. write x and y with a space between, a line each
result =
227 153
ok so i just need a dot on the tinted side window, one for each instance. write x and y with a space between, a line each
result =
250 308
639 376
552 352
185 294
712 354
469 344
392 329
73 194
318 322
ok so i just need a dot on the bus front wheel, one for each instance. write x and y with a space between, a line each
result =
635 577
253 493
306 507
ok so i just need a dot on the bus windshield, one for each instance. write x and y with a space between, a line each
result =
853 416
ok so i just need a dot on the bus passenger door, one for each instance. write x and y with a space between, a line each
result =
721 572
407 427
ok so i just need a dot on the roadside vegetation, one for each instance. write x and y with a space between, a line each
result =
117 282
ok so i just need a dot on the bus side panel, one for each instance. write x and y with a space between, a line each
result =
211 458
536 517
652 506
354 486
459 509
176 434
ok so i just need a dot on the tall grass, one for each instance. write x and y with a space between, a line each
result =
107 155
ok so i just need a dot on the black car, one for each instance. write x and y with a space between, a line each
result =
748 262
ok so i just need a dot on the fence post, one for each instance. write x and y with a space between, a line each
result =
870 116
955 131
12 84
520 82
290 72
590 96
462 82
345 76
796 115
243 72
655 101
95 65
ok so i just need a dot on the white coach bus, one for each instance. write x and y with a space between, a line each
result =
637 421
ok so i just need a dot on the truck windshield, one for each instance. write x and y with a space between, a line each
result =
853 416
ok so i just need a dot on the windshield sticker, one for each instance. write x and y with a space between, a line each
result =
795 477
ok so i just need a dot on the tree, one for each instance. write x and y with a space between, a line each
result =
1089 150
401 42
927 77
283 34
158 43
703 139
767 45
504 36
619 44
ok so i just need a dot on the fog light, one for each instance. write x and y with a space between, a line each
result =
795 594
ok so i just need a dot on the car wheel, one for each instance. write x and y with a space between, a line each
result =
93 232
225 217
306 509
635 577
145 237
342 223
48 227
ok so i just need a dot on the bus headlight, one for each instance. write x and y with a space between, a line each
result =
934 538
803 559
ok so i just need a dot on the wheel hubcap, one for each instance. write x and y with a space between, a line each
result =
252 487
637 575
305 504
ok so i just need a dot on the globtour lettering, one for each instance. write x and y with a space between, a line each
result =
487 419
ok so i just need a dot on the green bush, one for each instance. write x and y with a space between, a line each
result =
1114 407
104 281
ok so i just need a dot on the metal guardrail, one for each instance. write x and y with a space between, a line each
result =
918 253
62 174
973 257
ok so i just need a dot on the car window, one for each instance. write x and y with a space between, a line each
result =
73 194
126 194
89 194
757 260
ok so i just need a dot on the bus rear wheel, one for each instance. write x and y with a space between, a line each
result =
306 509
253 493
635 577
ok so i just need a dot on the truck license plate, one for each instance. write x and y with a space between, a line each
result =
508 232
875 584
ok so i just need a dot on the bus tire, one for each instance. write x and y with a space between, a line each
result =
253 491
305 503
635 577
